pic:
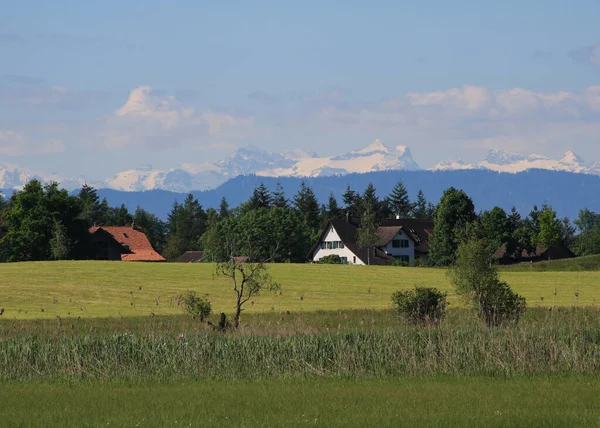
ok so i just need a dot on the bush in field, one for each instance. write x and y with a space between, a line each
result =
421 305
332 259
195 305
401 263
475 277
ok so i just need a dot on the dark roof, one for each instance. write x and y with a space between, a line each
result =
133 239
558 251
417 230
190 257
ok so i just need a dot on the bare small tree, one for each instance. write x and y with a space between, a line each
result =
249 279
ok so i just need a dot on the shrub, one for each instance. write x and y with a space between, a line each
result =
401 263
499 304
421 305
332 259
195 305
475 277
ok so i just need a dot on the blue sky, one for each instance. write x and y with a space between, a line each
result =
93 88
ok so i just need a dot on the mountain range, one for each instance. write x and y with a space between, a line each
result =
298 163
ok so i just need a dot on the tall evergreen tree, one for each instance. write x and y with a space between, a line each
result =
279 199
352 202
93 211
306 204
332 210
186 223
453 215
261 198
398 201
223 208
419 209
370 201
118 216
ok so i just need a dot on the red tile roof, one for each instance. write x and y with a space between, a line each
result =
134 239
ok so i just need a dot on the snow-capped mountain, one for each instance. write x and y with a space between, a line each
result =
504 161
374 157
452 165
297 163
251 160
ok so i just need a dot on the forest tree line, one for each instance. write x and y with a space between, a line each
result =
44 222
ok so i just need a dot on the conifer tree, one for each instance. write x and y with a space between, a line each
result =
352 202
419 210
332 210
279 199
223 208
306 204
261 198
399 202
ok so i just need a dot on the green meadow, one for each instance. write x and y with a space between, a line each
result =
112 289
104 344
437 402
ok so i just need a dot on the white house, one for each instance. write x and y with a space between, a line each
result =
399 239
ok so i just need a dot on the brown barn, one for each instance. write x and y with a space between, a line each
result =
126 243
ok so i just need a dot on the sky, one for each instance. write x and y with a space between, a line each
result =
94 88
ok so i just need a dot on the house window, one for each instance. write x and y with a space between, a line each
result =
354 259
344 260
323 245
329 245
396 243
335 244
342 244
403 258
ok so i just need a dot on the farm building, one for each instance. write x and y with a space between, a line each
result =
190 257
399 239
556 252
127 243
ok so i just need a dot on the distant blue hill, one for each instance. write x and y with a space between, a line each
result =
566 192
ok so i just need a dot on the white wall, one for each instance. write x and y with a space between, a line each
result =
410 251
332 235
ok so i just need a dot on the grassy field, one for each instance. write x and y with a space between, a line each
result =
102 289
104 344
442 402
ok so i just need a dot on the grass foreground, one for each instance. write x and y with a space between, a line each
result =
112 289
447 401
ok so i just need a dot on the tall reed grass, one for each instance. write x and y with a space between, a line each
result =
561 343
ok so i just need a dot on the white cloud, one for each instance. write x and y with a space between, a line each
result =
13 143
156 121
475 117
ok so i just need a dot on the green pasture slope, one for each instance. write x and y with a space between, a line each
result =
111 289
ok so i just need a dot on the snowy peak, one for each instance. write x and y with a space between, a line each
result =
572 158
376 156
450 165
504 161
375 147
